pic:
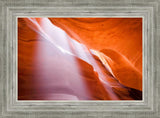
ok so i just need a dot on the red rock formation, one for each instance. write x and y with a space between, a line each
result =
122 36
53 66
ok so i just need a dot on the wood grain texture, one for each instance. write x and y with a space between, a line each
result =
11 108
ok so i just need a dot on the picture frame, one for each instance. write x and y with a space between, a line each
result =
146 108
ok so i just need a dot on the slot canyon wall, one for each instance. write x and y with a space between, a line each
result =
79 58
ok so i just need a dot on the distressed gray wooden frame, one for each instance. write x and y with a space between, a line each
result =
149 10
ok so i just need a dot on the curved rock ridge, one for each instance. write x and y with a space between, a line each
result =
54 65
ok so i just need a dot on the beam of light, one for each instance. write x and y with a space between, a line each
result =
59 87
37 28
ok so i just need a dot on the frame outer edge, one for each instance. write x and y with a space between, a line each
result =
157 66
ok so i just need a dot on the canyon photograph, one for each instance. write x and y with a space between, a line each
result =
80 58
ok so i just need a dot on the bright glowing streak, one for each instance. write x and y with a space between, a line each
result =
41 32
105 63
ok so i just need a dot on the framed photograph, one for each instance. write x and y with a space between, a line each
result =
82 58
